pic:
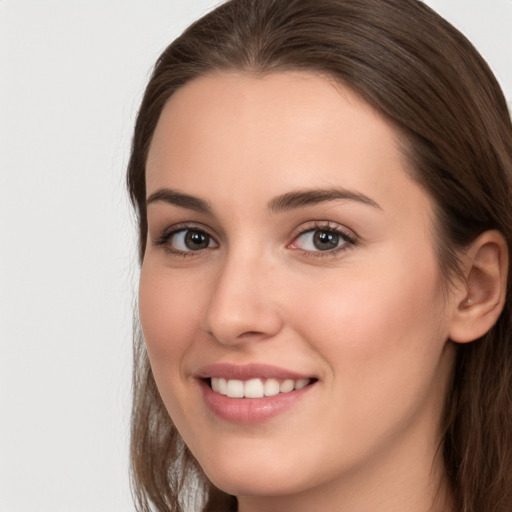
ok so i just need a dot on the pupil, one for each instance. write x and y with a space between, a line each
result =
324 240
195 240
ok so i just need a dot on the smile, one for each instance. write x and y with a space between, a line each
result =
257 387
252 393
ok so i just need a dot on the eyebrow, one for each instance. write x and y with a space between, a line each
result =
180 199
309 197
285 202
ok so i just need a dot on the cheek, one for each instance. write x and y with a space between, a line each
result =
375 327
169 314
383 344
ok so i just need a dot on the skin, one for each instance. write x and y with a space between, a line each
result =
370 321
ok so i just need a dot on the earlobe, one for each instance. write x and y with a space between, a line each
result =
480 301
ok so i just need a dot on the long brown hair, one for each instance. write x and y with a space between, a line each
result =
428 80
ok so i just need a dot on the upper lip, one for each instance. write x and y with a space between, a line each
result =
248 371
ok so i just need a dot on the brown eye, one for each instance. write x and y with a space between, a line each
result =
322 240
187 240
196 240
325 240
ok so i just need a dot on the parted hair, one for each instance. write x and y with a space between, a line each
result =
425 78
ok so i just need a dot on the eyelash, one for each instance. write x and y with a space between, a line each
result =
349 239
168 234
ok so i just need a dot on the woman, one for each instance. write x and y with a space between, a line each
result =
323 190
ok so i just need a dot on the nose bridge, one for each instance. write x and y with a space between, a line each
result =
242 305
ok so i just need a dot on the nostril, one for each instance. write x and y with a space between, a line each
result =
248 334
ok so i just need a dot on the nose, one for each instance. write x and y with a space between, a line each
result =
243 305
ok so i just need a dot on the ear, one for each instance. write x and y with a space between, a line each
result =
479 302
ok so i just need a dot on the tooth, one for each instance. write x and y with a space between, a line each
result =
253 388
235 389
301 383
223 386
286 386
271 387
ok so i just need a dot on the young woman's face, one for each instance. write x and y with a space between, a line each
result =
290 264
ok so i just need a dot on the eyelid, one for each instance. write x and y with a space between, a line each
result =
347 235
165 237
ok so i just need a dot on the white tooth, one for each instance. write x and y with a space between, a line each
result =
215 384
271 387
253 388
301 383
286 386
223 386
235 389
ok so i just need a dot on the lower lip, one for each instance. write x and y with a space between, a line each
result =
250 410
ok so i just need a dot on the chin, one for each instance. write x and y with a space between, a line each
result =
256 479
251 486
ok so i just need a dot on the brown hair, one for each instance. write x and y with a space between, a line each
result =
428 80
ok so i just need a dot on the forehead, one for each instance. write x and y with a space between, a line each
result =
230 131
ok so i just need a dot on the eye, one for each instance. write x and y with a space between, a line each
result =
187 240
322 239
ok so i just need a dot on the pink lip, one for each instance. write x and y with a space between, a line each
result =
248 410
246 372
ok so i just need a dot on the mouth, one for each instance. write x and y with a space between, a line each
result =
252 393
256 387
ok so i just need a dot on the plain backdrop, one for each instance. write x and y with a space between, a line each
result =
71 76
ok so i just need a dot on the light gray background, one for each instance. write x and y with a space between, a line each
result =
71 77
